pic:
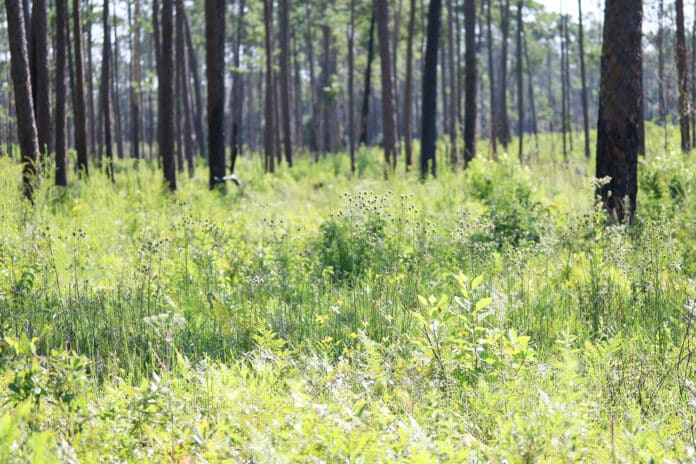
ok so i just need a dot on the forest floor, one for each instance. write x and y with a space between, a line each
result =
491 315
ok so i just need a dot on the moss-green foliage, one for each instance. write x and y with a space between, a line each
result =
489 315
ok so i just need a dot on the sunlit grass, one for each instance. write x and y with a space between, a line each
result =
282 321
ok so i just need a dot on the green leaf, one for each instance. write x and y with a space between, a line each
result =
483 303
419 317
476 282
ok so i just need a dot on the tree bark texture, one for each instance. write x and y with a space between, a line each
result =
620 103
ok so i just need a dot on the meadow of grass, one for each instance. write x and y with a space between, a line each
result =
490 315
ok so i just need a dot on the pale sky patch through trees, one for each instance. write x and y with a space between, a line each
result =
571 6
595 8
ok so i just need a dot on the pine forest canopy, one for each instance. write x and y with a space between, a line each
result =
179 80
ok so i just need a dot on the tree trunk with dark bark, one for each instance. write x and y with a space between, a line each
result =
79 97
70 124
284 77
166 95
620 103
470 81
443 82
503 121
61 146
388 88
364 112
429 128
135 90
520 83
351 87
237 108
24 106
661 69
40 75
692 113
493 105
105 91
113 52
184 96
269 129
408 91
683 78
453 103
94 138
564 109
215 73
178 105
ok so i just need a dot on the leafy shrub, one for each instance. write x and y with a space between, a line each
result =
357 239
58 378
664 177
464 338
506 189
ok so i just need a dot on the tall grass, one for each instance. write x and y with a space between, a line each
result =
331 266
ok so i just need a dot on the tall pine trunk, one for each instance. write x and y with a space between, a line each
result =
396 38
269 129
166 95
40 75
453 103
428 124
566 76
70 124
135 90
94 139
520 83
105 91
503 121
297 92
620 106
470 81
683 78
661 68
388 88
60 144
113 52
215 73
365 110
693 81
184 96
408 91
237 107
79 96
493 105
443 79
284 77
24 106
178 105
351 86
585 116
564 109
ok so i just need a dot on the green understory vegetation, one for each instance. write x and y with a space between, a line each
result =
488 315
